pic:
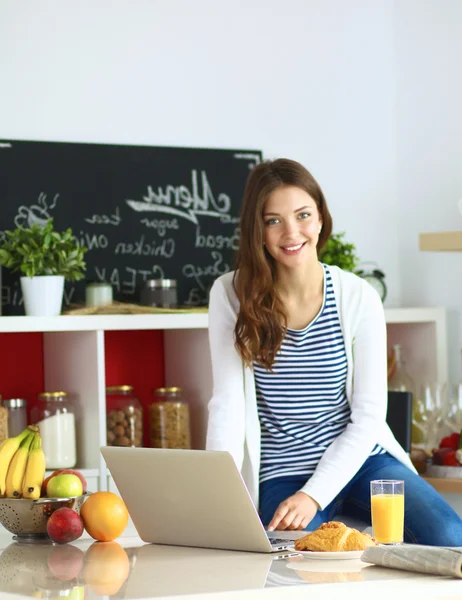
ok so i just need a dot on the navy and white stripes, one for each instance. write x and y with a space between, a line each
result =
302 404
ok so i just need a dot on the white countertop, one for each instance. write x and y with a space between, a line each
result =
128 568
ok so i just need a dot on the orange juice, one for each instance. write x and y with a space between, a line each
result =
388 517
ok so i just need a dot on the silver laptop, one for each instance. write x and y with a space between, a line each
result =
175 570
188 498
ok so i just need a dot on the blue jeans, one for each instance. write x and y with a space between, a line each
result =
428 518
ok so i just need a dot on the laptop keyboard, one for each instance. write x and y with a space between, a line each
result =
280 541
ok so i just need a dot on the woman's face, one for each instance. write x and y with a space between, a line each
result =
291 226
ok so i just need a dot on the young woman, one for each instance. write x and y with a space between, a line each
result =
300 371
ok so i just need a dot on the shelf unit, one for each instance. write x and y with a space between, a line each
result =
422 334
74 359
103 323
445 241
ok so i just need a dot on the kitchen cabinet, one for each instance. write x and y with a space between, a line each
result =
75 352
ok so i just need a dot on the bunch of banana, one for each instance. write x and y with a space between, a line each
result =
35 470
7 450
22 465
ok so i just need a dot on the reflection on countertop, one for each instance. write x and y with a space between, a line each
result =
128 568
45 570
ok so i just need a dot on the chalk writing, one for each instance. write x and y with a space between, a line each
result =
143 248
11 295
126 281
35 213
190 201
69 294
196 297
160 225
112 219
217 241
93 241
197 272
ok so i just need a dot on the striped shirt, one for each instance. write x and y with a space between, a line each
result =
302 405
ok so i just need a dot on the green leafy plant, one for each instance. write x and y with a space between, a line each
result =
339 252
39 250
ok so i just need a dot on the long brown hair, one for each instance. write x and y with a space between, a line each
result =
262 321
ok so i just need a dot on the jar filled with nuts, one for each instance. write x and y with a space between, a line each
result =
124 419
169 419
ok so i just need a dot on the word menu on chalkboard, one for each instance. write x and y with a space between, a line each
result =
143 212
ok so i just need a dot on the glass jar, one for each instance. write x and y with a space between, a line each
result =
401 381
54 415
98 293
3 422
160 293
124 418
17 415
169 419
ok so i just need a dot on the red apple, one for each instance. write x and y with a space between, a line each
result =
439 454
64 525
65 562
63 472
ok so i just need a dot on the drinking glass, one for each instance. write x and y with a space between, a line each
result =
387 507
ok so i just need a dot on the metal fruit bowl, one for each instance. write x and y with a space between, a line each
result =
27 519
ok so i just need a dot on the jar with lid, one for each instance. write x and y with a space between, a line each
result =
160 293
54 415
98 293
169 419
3 422
124 418
17 415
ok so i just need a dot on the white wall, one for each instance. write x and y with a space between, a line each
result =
366 94
309 79
429 154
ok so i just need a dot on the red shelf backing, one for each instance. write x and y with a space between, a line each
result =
136 358
132 357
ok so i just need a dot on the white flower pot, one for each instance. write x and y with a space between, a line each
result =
43 295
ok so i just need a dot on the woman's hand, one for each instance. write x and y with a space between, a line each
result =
294 513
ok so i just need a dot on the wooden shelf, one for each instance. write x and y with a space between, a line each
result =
445 241
444 484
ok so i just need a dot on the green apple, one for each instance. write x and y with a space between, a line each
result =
64 486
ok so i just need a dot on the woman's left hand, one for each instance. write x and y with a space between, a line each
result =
294 513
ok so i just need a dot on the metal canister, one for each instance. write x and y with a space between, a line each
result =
17 415
159 292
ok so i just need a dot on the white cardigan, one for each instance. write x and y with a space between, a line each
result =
233 423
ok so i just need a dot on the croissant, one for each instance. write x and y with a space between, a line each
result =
334 537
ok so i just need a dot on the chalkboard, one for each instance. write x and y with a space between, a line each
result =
143 212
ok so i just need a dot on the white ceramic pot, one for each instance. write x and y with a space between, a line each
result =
43 295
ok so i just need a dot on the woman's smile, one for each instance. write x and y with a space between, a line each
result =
293 249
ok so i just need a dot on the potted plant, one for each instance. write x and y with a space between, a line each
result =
45 258
340 253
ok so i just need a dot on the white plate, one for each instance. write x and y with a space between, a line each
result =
331 555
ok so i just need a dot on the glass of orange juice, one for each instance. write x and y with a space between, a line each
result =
387 507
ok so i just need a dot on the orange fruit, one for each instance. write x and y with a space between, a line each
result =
106 567
104 516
